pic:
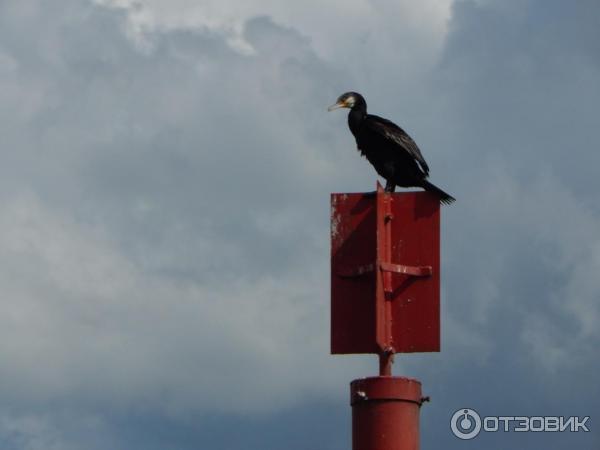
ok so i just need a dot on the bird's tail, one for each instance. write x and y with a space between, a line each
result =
444 197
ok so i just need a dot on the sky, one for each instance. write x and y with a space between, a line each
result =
165 171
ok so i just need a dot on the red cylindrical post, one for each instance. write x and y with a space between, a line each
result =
385 413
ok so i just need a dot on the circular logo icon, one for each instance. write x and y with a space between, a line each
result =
465 423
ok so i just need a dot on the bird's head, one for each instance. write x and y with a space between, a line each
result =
349 100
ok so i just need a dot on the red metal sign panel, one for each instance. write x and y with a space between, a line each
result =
385 273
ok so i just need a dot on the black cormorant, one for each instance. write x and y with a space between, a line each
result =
387 147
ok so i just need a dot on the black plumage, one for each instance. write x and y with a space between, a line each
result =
387 147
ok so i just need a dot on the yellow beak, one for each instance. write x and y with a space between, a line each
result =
336 106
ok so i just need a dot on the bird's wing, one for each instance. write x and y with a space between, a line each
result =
392 132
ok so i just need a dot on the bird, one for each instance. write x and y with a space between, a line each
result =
394 154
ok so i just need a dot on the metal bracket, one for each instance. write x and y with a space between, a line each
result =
413 271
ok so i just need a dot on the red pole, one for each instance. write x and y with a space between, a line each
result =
386 359
385 300
385 413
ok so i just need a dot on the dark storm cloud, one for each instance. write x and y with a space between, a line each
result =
517 89
530 77
163 237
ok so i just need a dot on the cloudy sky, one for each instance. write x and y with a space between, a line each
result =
165 175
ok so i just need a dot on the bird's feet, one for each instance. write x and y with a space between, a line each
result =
389 186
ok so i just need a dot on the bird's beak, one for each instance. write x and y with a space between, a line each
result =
336 106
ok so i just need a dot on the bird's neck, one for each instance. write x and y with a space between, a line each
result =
355 118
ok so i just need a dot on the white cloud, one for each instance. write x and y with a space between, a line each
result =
149 252
335 28
84 323
541 275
